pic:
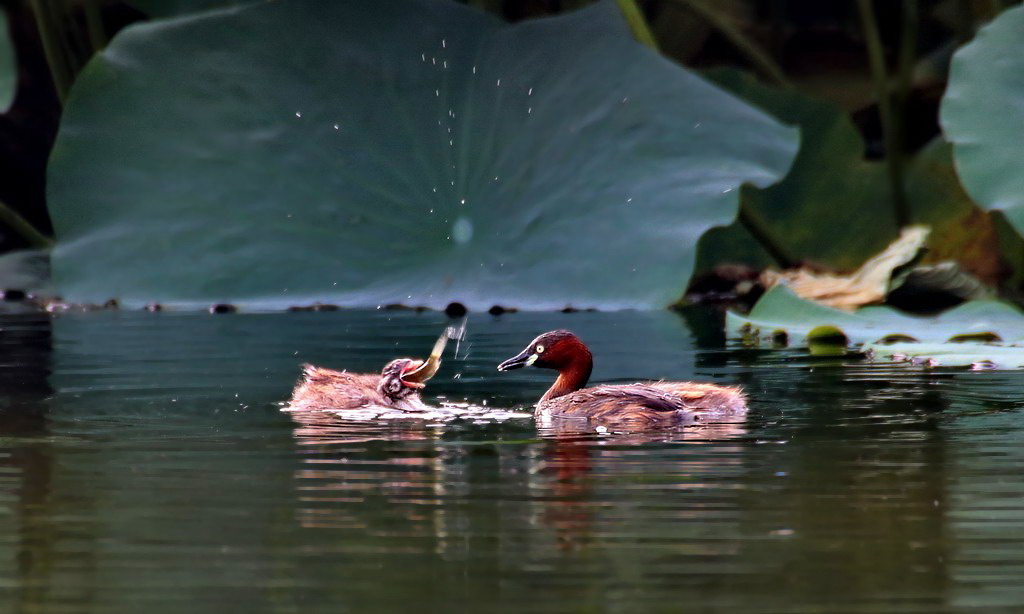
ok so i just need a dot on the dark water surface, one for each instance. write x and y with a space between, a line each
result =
145 466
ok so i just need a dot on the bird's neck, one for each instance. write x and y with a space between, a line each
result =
571 377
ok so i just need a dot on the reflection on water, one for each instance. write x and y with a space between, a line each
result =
146 465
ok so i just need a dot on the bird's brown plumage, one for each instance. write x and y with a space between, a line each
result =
647 402
635 405
322 388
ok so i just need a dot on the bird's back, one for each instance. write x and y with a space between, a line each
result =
322 388
647 403
705 398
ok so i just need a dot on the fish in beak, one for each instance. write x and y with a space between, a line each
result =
417 372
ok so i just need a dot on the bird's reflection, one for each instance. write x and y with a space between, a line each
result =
571 428
353 468
575 447
385 477
325 429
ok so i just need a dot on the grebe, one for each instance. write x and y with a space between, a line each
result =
397 386
637 404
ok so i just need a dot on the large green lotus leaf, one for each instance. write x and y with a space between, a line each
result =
8 67
833 208
417 151
780 311
982 114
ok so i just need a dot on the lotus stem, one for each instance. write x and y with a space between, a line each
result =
12 219
757 56
53 49
635 18
757 229
77 46
905 71
892 125
94 22
908 48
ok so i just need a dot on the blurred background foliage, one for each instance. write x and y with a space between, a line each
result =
864 81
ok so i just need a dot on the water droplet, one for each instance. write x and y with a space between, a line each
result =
424 56
625 99
335 126
435 189
451 143
499 82
433 61
726 191
529 110
445 63
495 178
530 92
443 43
462 230
297 114
438 94
474 70
629 200
697 125
463 201
431 210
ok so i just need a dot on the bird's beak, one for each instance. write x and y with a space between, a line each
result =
520 360
418 372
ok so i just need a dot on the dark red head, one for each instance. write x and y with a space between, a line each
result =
558 349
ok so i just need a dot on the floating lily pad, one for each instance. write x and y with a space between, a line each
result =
8 66
976 355
415 151
781 312
983 112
